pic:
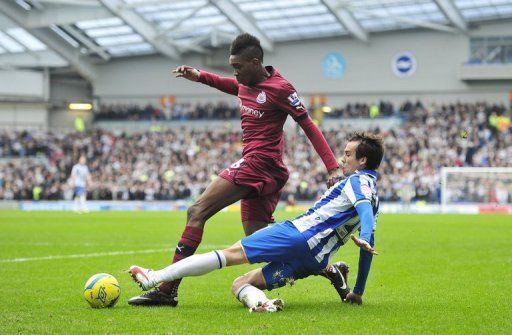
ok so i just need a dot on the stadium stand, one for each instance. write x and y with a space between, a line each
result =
169 165
225 110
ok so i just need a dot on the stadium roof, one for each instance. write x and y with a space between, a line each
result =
48 33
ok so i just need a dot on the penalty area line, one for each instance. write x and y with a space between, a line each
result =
98 254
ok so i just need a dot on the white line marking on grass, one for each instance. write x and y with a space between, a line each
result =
100 254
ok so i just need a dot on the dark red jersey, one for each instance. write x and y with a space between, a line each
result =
263 109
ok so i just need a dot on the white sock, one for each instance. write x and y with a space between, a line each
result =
82 202
195 265
77 204
251 296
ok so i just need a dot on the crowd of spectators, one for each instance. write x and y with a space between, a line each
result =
222 110
169 165
175 112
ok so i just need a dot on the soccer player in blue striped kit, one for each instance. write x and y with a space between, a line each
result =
301 247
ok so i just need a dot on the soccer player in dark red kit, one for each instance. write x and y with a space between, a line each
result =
266 99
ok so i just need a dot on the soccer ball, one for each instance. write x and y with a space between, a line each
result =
102 290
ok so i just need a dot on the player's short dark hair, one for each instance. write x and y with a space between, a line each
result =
247 46
370 146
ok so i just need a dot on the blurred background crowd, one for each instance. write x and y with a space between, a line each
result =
225 110
179 164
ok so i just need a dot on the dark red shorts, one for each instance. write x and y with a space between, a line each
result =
266 176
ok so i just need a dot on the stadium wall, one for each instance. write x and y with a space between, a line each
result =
23 97
23 115
69 90
20 85
63 91
368 75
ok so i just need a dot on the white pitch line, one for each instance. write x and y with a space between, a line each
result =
99 254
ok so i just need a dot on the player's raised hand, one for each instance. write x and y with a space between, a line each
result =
353 298
335 175
187 72
363 244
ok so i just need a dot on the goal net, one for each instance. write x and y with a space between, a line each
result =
488 188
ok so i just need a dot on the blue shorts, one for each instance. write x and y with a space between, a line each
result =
79 190
286 251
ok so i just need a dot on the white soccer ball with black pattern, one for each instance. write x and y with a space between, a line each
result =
102 290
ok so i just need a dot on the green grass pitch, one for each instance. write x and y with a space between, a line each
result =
437 274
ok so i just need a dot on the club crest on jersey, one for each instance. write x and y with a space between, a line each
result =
261 98
295 101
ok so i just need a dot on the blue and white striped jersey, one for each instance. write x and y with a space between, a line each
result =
80 172
329 223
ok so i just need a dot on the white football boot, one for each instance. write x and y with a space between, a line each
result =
270 306
142 277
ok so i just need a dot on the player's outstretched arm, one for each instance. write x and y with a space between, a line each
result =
365 262
321 146
187 72
289 101
224 84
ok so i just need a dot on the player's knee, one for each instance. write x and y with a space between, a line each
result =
195 215
238 283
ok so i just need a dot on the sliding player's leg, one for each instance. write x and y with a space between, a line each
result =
196 265
248 289
219 194
288 257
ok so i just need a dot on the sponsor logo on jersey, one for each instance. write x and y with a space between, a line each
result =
294 101
249 111
262 97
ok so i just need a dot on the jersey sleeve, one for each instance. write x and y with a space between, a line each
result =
288 100
359 193
224 84
365 262
319 143
358 190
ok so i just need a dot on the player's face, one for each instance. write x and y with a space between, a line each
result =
82 160
349 160
245 70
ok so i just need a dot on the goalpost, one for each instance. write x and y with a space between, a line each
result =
488 189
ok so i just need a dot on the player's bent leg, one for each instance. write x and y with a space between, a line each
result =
219 194
254 278
248 290
257 212
195 265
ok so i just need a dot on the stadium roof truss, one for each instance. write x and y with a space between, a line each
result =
51 33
